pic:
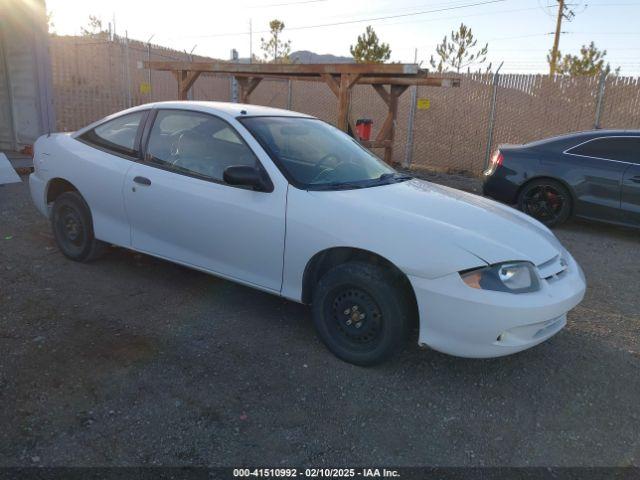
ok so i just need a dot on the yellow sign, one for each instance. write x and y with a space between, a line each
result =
424 104
145 87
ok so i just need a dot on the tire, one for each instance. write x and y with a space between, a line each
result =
546 200
360 293
73 228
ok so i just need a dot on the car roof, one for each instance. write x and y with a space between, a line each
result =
583 136
225 108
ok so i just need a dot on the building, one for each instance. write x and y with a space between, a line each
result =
26 97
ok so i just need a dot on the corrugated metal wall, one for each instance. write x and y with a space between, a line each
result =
6 119
25 73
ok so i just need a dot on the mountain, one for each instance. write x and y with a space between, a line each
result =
305 56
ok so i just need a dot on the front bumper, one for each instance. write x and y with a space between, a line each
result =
467 322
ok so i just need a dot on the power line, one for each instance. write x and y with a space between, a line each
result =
520 36
373 19
606 33
395 9
457 17
363 20
287 4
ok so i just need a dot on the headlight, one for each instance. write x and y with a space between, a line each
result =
513 277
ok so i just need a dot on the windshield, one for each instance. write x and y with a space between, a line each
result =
316 155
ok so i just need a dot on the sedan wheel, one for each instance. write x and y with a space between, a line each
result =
356 320
547 201
73 228
361 313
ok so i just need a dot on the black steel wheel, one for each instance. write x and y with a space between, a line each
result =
360 312
355 319
546 200
73 228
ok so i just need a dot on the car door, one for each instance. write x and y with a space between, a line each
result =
631 184
105 153
181 209
599 167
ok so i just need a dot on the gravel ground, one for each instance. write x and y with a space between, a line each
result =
136 361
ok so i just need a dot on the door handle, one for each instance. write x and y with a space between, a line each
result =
142 180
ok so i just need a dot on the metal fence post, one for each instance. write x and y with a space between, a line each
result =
492 116
234 80
149 69
289 92
123 64
128 71
408 154
234 90
601 87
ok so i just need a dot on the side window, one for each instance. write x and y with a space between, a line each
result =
228 135
118 135
625 149
196 144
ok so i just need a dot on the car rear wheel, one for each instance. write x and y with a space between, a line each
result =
546 200
73 228
360 312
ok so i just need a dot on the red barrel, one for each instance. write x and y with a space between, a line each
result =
363 128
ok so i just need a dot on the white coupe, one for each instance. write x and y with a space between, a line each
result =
288 204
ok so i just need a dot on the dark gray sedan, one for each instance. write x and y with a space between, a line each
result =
593 174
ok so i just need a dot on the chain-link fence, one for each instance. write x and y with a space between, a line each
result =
95 76
452 129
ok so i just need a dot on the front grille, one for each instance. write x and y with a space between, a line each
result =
552 269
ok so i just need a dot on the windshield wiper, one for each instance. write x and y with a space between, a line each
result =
395 176
336 186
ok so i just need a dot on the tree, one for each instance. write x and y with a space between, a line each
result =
275 50
94 26
459 52
589 62
368 48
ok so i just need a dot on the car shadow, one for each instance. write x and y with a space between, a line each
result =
592 227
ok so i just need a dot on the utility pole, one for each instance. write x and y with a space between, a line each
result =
149 61
568 14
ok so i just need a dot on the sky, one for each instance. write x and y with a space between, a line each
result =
519 32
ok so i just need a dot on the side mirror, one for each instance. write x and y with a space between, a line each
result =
246 176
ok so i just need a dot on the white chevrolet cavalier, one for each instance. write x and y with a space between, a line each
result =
288 204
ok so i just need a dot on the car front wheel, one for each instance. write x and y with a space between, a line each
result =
73 228
361 313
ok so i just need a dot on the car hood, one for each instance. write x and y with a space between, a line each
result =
491 231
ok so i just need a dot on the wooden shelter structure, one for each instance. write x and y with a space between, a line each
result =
340 78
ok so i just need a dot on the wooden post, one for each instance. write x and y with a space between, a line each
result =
333 84
185 79
343 91
387 131
343 103
247 85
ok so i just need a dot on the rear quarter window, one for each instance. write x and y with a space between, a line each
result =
118 135
624 149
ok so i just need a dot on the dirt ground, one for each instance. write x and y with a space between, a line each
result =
135 361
